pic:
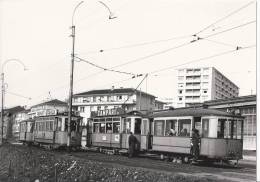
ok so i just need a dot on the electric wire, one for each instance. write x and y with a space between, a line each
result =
201 59
225 17
103 68
18 95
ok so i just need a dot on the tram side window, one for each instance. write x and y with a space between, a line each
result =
205 127
221 128
96 127
51 125
239 129
171 128
234 123
184 127
102 128
138 122
116 127
108 127
66 124
47 125
159 127
59 124
127 125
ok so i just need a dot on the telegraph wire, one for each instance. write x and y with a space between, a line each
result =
218 42
225 17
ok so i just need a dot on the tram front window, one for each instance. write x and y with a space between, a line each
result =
138 122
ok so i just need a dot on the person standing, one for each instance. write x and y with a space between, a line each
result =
132 142
195 140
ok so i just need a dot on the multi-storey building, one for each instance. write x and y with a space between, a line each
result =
48 108
196 85
128 98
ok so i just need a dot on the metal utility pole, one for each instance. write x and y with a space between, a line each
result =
3 92
71 74
72 67
2 108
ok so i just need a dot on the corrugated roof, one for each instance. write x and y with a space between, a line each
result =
111 91
196 112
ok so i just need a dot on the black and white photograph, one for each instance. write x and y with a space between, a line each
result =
129 91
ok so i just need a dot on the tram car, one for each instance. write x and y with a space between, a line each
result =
111 129
221 133
51 130
26 131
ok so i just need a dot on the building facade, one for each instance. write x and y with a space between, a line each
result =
48 108
128 98
244 105
196 85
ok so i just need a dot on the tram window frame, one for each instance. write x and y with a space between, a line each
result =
127 125
109 127
102 128
173 125
116 127
181 127
59 125
138 125
205 130
96 129
221 128
239 129
156 124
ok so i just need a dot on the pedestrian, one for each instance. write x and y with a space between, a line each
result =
195 140
132 142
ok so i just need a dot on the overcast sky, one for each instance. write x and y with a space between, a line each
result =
37 32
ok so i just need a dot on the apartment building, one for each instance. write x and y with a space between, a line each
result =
196 85
128 98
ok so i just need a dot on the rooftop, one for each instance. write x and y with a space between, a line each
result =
112 91
52 102
196 112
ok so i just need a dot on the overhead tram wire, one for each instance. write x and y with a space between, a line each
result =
225 17
18 95
189 62
202 59
107 69
161 52
138 44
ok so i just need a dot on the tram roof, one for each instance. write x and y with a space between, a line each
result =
197 112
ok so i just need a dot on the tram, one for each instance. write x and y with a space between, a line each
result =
221 133
51 130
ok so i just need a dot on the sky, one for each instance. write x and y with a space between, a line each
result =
146 36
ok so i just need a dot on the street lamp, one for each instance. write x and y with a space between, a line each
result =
3 91
111 16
